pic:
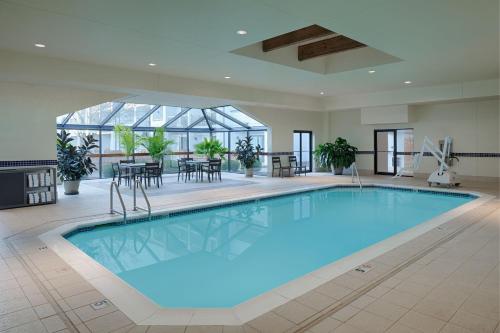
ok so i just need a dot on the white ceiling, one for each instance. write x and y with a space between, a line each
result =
439 41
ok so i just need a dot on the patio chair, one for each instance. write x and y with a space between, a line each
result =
213 168
298 169
120 174
184 171
152 171
276 161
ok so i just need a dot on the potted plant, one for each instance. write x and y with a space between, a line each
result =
337 155
73 163
247 154
210 148
156 145
128 139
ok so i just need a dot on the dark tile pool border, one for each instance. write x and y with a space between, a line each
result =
272 197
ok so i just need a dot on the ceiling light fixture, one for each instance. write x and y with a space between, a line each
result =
371 71
241 32
152 64
40 45
407 82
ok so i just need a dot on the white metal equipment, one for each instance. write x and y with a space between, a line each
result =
442 175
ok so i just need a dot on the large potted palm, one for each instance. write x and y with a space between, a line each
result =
128 139
211 148
156 145
73 162
247 154
337 155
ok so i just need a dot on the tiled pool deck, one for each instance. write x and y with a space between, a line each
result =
446 280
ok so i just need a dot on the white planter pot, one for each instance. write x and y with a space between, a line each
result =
249 172
71 187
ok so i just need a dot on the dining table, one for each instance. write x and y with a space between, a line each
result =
133 169
197 166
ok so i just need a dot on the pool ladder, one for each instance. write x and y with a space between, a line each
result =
114 186
354 169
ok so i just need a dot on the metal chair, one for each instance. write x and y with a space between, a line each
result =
152 171
276 163
213 168
298 169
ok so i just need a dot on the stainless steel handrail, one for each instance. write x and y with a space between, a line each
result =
139 184
354 168
111 209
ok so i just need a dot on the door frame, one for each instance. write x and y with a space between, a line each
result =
309 169
395 151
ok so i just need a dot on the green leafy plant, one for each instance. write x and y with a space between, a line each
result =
156 145
74 162
211 148
128 139
339 154
247 153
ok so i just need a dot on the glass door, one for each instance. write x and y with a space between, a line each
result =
385 143
393 150
302 148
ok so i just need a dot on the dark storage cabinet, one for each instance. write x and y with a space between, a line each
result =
27 187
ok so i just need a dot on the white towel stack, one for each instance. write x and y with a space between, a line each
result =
48 196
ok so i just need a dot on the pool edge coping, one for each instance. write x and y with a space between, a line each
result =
143 311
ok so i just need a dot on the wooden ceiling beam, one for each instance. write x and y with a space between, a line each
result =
293 37
327 46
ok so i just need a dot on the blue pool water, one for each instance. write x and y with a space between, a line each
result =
224 256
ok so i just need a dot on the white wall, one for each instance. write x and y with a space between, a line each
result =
474 126
28 117
284 122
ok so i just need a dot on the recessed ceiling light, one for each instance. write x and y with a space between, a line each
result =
322 93
40 45
241 32
407 82
371 71
227 77
152 64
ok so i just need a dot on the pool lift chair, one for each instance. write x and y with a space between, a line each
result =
442 175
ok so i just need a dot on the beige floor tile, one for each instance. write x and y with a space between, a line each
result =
451 328
422 322
44 310
363 301
326 326
204 329
294 311
400 298
83 299
334 290
378 291
346 313
399 328
86 313
31 327
473 322
386 309
348 329
163 329
315 300
413 288
437 309
13 305
108 323
370 322
484 304
271 323
17 318
53 324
